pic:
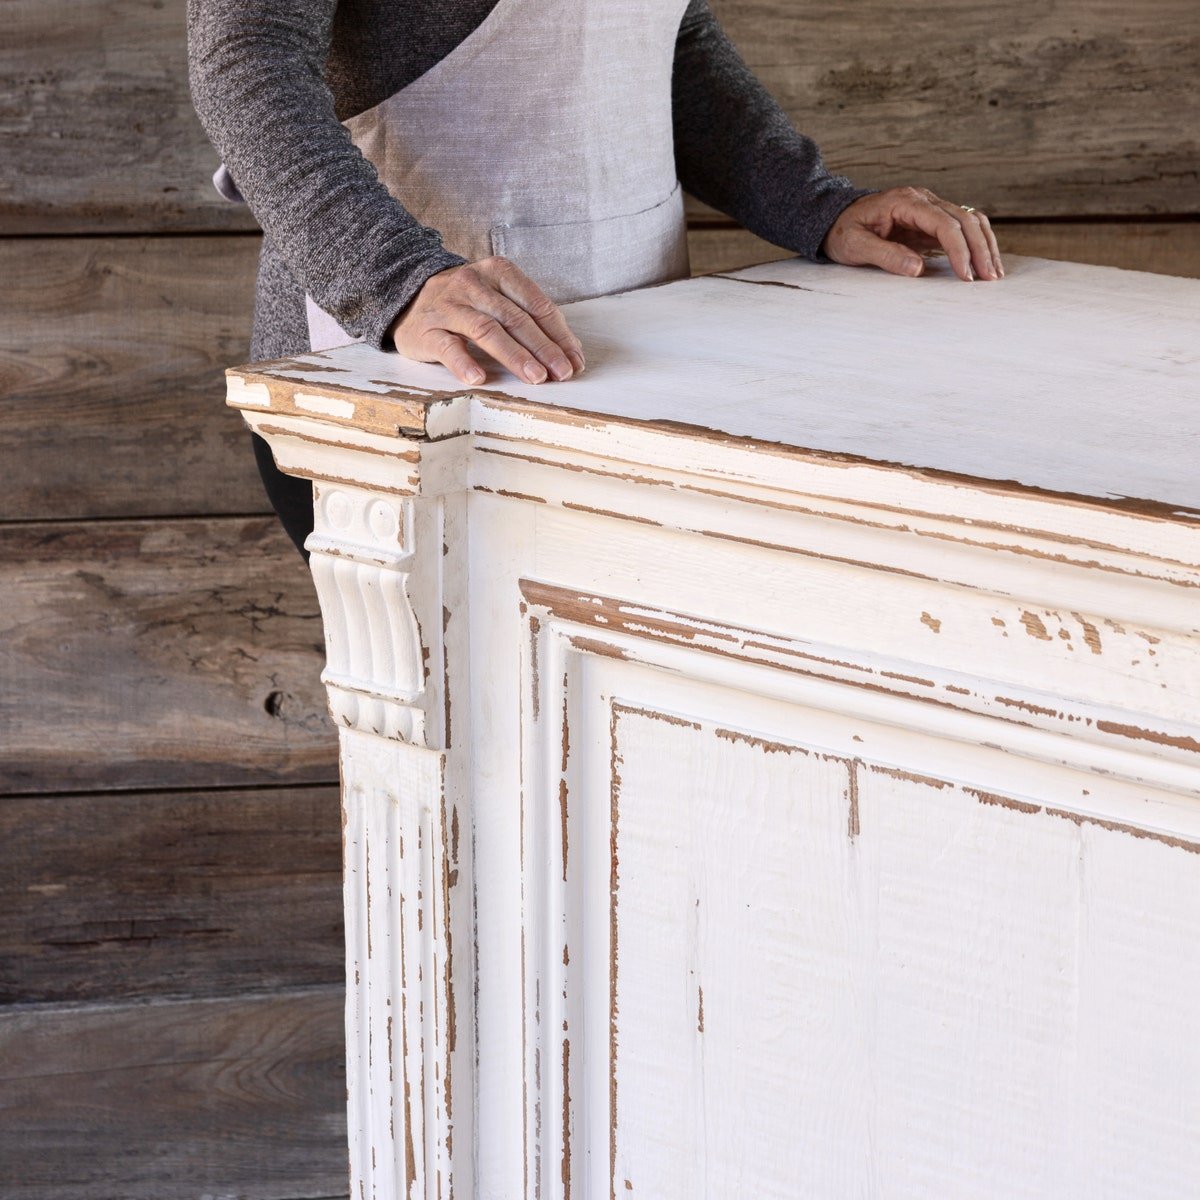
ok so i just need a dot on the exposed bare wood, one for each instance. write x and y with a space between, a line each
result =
139 894
172 1101
1056 110
159 654
1165 247
111 363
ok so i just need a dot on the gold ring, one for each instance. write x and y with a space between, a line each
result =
966 208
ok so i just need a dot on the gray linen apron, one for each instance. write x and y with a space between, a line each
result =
546 137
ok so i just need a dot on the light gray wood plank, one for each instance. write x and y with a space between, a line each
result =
111 359
152 654
173 1101
128 895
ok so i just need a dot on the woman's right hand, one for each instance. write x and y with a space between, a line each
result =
498 307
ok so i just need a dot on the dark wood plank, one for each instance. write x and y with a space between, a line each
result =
173 1101
99 131
152 654
1167 247
129 895
1035 110
111 387
1032 109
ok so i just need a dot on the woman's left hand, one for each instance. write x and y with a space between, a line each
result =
890 230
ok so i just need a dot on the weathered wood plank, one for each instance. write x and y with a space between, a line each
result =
129 895
1072 108
170 1101
1076 107
1166 247
98 127
111 385
156 654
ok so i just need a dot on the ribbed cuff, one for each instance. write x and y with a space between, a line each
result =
392 302
820 218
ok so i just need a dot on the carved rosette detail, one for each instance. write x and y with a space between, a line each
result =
361 556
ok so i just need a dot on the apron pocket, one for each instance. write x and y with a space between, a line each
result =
579 259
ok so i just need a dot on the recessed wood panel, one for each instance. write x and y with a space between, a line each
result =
824 970
126 895
173 1101
112 363
151 654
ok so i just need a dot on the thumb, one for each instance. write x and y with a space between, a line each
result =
871 250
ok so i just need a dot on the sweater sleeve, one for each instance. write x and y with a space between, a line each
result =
736 150
256 70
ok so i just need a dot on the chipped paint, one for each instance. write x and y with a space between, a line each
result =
1078 818
760 743
1034 626
852 820
932 622
614 885
562 780
510 495
907 776
566 1117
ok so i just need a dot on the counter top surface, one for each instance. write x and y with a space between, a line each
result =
1077 380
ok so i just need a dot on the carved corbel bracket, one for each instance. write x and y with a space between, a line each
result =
361 560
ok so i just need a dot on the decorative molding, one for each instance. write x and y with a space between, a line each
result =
362 554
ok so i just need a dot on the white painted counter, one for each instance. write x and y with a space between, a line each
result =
771 761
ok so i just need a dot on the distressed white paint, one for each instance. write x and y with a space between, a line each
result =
804 655
325 406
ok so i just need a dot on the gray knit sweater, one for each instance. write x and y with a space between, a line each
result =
272 80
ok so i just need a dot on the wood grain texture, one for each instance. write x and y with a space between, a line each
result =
159 654
138 894
174 1101
1164 247
111 354
98 127
1079 107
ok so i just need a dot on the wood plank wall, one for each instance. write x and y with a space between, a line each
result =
170 935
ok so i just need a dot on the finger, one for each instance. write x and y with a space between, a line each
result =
488 334
450 350
523 329
866 248
936 221
995 245
972 227
512 282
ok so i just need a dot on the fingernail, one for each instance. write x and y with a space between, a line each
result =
577 362
535 372
912 266
476 376
562 370
970 274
